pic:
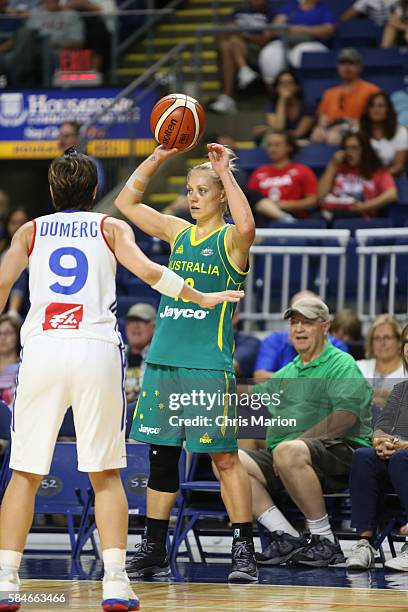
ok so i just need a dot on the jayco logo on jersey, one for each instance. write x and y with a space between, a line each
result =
149 430
186 313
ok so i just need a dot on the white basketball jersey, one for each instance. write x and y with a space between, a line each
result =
72 279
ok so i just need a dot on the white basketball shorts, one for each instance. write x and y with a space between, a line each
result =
56 373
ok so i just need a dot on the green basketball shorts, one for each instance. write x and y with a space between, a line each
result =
177 404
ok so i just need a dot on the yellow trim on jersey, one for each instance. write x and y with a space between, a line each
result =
222 315
136 407
196 242
226 399
178 234
232 264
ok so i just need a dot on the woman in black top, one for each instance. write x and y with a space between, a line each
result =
382 469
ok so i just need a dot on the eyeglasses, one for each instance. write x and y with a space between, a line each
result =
384 338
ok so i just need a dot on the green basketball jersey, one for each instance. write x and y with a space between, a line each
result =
186 335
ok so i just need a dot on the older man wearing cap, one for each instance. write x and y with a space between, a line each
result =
342 106
139 329
321 417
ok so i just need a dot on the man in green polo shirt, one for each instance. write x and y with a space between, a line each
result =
321 416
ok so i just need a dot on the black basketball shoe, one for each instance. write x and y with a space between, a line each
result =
244 568
150 560
281 548
319 552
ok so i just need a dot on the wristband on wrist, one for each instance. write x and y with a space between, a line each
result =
170 283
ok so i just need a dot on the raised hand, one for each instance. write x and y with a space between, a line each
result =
219 157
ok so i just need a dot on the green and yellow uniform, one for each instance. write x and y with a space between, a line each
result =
190 374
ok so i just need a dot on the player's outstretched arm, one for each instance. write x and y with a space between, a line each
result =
129 200
14 261
122 242
243 232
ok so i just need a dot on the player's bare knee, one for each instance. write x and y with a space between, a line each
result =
224 461
27 479
291 454
104 479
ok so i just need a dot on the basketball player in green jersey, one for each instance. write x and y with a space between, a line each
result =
190 374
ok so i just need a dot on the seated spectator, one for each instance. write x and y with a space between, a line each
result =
277 350
289 189
239 49
388 139
69 135
97 28
18 302
140 321
355 183
246 350
324 396
383 366
379 470
378 11
63 28
287 109
9 357
342 106
311 25
15 47
396 30
346 326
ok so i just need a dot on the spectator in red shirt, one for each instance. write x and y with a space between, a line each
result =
355 183
289 188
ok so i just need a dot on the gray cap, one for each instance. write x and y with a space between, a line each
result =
350 55
145 312
310 307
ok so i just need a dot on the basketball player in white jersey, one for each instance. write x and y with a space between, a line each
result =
72 355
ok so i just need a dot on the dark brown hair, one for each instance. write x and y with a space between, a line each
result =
390 123
369 162
72 178
16 327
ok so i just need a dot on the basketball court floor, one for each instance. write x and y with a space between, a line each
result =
203 587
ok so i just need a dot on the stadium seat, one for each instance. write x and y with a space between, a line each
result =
5 434
249 159
376 62
358 33
316 156
356 224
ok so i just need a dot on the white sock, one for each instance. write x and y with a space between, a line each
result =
10 560
273 520
321 527
114 560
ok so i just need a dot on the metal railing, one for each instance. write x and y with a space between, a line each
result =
270 281
382 273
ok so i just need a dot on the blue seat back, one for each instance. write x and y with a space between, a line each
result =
64 488
135 477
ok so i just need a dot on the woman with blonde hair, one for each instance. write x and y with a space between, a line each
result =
383 365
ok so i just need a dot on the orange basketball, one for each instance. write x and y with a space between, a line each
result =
177 121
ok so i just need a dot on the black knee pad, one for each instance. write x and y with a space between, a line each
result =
164 475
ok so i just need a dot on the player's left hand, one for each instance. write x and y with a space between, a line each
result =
219 157
209 300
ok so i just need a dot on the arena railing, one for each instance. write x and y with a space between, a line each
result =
382 273
270 283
